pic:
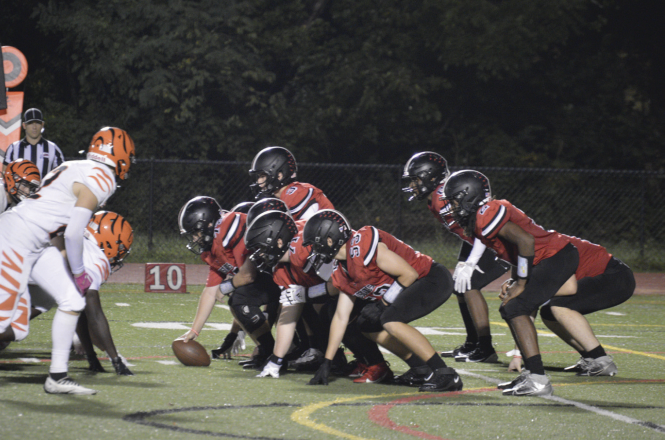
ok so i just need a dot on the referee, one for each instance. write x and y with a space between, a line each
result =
33 147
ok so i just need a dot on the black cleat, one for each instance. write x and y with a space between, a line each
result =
442 379
464 349
479 355
413 377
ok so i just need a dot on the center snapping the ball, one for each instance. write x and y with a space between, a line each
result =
191 354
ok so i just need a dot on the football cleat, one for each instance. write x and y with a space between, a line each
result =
479 355
442 379
120 367
578 366
514 382
530 385
65 386
358 370
375 373
464 349
413 377
603 366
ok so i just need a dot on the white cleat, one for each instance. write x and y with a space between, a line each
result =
531 385
66 386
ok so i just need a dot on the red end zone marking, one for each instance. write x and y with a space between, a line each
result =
379 414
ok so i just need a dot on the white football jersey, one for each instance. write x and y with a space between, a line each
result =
48 211
95 262
3 198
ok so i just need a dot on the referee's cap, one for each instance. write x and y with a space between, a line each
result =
33 114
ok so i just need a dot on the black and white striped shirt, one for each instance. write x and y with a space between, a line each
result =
46 155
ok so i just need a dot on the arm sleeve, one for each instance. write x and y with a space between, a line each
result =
74 238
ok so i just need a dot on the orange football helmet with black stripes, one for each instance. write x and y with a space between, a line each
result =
22 178
114 236
112 146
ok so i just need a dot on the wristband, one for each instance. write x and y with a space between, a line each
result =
524 267
226 287
316 291
393 292
194 331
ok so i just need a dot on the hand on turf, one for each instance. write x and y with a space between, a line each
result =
464 276
239 343
292 295
516 364
271 369
321 378
120 367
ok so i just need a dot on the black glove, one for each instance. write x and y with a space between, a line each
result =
121 368
321 378
95 366
225 349
369 320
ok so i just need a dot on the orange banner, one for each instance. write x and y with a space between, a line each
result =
10 120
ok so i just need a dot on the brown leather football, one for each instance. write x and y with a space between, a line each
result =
191 354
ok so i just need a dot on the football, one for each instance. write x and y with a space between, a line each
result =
191 354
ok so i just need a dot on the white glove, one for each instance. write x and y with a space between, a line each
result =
293 295
239 343
271 369
464 277
456 271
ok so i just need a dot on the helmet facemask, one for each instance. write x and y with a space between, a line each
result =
277 165
197 220
327 231
423 173
268 238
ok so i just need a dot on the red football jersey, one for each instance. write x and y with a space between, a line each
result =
299 270
492 216
300 196
228 252
361 276
438 207
593 258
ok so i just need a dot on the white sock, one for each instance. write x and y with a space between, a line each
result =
62 332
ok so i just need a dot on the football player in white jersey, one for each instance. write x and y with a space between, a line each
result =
21 178
108 241
65 201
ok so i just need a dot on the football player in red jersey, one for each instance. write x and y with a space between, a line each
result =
425 174
274 173
544 261
603 281
399 284
218 237
276 242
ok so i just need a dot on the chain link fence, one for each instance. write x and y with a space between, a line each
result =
622 210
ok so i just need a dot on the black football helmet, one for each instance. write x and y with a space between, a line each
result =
466 191
270 162
267 204
268 238
199 215
430 167
243 207
325 224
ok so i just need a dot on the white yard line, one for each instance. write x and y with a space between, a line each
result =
594 409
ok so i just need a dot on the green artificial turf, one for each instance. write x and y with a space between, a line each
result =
166 400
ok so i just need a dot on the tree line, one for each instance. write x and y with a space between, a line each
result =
562 83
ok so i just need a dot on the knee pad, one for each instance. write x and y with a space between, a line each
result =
72 302
250 317
547 314
514 308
